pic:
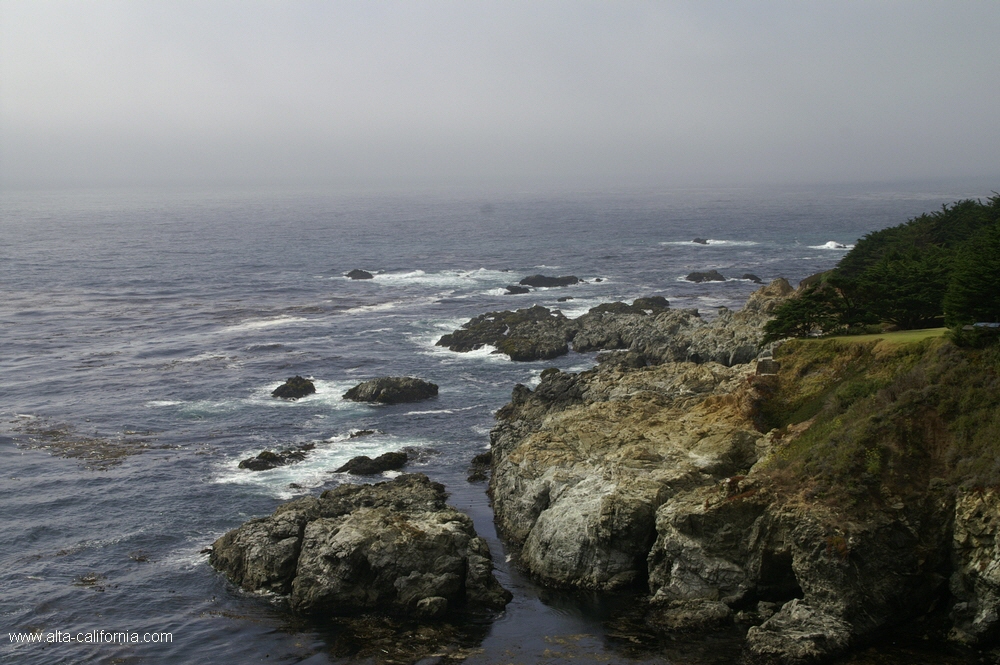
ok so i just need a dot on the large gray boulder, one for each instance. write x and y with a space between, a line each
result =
392 390
393 547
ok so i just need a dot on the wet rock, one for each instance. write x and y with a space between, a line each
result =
700 241
705 276
797 635
392 390
691 615
363 465
360 274
480 467
652 303
269 459
647 328
543 281
392 548
564 299
294 388
752 277
514 289
535 333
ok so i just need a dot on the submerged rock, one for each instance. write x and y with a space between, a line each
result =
514 289
752 277
700 241
392 390
392 548
543 281
363 465
360 274
706 276
294 388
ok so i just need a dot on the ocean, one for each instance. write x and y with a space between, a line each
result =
142 332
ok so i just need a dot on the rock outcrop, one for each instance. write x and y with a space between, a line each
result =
516 290
392 548
269 459
549 282
360 274
528 334
362 465
648 329
706 276
657 470
294 388
392 390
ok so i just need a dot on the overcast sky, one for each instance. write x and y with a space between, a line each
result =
583 94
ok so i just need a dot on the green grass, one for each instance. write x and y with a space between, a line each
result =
884 416
900 337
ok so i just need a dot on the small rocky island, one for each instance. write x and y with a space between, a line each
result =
295 387
394 548
392 390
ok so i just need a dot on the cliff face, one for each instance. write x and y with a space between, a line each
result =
843 494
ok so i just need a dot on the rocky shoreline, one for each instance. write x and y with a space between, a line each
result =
659 472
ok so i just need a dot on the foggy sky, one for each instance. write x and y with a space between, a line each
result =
586 94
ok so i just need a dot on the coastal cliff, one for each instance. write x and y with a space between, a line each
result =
813 498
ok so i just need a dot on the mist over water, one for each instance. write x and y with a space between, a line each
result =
143 331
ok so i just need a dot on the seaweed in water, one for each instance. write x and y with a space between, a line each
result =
97 453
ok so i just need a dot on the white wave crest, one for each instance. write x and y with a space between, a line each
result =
257 324
316 470
832 244
712 241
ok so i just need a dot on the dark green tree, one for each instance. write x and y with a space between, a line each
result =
906 289
817 308
973 292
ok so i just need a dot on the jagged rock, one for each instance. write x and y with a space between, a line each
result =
294 388
480 467
975 583
752 277
577 522
393 547
363 432
362 465
269 459
543 281
798 634
392 390
514 289
535 333
700 241
360 274
706 276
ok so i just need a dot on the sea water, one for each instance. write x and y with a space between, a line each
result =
141 333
